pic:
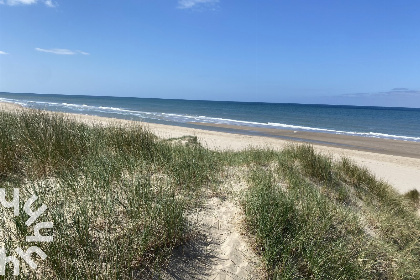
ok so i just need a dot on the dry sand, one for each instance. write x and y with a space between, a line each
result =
402 172
221 250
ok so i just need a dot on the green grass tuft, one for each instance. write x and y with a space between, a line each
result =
117 195
318 219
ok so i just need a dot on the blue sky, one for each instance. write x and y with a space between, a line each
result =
336 52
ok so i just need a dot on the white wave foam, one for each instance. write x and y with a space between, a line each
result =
190 118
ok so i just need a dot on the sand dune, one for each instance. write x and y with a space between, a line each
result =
221 251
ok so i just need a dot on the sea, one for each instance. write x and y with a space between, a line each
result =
379 122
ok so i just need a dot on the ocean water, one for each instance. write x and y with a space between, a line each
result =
379 122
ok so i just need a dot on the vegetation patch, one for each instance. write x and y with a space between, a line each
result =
320 219
118 197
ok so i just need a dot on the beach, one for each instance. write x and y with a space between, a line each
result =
219 191
209 140
393 161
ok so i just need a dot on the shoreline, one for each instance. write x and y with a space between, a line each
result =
394 161
369 144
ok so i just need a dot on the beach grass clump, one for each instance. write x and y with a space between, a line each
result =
249 157
414 197
318 168
35 144
302 234
315 218
117 195
190 166
120 231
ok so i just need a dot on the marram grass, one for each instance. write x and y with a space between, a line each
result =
314 218
118 197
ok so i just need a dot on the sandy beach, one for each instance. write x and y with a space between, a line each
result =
395 162
222 248
402 172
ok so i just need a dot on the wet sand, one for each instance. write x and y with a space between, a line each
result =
368 144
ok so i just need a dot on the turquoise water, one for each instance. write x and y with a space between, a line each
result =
381 122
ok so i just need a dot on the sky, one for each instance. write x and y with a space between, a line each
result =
330 52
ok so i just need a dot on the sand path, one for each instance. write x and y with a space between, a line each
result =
219 250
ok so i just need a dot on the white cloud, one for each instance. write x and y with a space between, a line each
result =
188 4
84 53
61 51
48 3
23 2
2 52
19 2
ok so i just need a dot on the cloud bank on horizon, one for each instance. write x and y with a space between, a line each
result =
395 92
396 97
48 3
